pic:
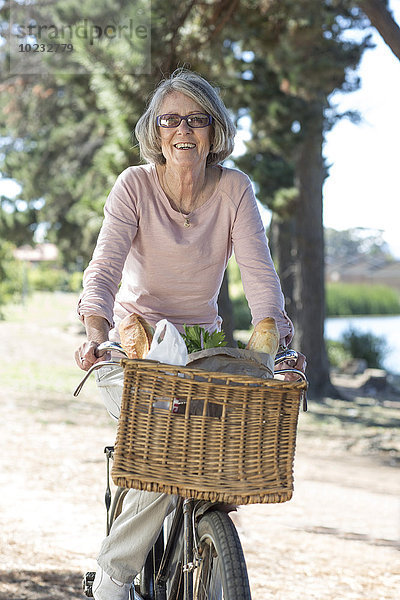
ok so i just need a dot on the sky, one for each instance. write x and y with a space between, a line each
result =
362 188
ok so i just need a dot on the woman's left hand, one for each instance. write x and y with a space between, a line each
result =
300 365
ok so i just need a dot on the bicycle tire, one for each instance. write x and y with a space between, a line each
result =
222 573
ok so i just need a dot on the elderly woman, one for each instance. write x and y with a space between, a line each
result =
169 229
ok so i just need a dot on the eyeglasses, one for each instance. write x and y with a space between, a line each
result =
195 120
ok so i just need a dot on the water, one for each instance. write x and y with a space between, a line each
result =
385 326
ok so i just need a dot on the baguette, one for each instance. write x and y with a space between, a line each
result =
265 337
136 336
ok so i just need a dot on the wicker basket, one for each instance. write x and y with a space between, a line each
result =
243 454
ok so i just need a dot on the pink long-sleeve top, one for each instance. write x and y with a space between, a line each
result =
147 262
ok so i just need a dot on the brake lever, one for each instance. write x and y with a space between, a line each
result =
301 376
101 349
94 367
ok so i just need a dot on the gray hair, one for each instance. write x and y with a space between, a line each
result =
196 87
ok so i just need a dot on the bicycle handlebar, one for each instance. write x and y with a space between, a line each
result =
284 356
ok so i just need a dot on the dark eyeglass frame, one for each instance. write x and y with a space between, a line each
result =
181 118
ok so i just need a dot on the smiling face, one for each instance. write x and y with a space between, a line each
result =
184 146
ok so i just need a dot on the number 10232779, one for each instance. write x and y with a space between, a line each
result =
45 47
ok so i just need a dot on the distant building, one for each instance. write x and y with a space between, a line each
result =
40 253
365 269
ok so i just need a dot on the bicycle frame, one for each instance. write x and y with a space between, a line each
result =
161 560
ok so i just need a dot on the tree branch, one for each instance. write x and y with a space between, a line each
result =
223 14
381 18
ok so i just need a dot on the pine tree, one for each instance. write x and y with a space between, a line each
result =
293 58
67 135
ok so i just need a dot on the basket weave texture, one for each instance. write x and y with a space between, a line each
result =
233 439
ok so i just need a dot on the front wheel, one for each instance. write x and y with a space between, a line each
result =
222 573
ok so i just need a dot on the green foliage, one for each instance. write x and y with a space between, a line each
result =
296 56
49 278
368 346
241 310
17 222
45 279
197 338
235 281
338 355
66 136
355 344
11 275
241 313
355 242
344 299
75 282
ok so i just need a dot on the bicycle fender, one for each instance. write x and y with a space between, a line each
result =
205 506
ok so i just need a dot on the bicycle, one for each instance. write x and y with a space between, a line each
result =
198 555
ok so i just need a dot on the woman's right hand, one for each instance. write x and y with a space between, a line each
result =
86 356
97 329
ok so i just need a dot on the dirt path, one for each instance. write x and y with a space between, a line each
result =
338 539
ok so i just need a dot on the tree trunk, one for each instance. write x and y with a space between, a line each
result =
225 309
309 285
381 18
281 238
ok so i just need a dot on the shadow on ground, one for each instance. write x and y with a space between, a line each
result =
40 585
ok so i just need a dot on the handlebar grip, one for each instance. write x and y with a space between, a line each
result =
286 355
107 347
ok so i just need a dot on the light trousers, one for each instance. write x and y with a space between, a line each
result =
124 551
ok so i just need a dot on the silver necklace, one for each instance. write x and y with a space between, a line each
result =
186 218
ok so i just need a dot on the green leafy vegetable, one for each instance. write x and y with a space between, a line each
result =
197 338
